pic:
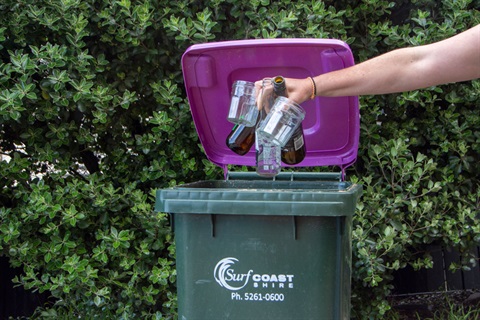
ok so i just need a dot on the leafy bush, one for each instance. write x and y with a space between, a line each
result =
94 118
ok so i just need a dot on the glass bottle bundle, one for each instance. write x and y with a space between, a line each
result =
269 152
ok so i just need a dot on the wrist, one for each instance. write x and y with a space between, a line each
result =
307 89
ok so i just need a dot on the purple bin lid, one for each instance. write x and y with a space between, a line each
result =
331 125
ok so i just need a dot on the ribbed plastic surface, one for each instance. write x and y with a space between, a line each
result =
309 195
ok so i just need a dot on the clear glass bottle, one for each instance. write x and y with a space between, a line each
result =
268 154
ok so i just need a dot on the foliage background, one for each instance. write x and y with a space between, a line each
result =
94 118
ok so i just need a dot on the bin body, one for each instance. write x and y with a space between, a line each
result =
257 249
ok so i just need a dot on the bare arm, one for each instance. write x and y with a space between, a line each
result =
451 60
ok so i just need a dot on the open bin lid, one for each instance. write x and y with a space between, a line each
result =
331 125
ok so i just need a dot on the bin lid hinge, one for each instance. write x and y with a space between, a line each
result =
343 176
225 172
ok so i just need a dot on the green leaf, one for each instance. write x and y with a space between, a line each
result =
98 301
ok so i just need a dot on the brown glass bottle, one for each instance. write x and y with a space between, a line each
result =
241 139
294 150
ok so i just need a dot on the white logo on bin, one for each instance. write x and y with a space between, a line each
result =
223 272
227 278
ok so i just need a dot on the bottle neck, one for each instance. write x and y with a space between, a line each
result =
279 87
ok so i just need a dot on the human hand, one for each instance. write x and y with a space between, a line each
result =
298 90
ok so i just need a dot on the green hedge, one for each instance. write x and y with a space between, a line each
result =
94 118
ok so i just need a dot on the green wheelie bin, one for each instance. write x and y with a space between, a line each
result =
249 247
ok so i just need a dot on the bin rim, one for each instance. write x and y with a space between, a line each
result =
260 197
